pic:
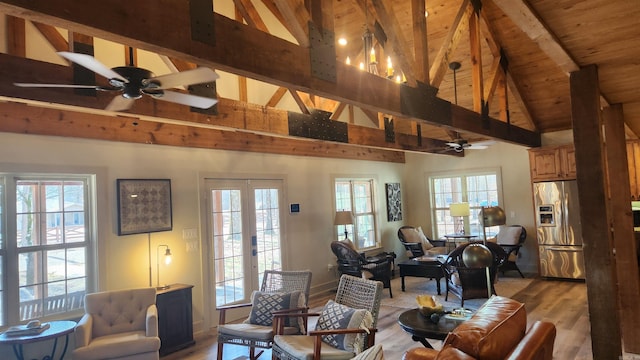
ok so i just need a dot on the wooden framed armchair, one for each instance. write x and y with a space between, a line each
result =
257 332
470 282
352 263
346 326
511 238
417 244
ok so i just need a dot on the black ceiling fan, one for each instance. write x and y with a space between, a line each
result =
133 82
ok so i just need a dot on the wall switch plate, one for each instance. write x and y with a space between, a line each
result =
189 234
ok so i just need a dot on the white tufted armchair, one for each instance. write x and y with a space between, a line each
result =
119 324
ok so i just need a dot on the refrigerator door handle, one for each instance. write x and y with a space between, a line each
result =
564 248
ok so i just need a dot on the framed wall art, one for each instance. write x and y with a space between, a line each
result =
144 206
394 202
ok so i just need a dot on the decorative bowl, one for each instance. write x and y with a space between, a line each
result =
427 306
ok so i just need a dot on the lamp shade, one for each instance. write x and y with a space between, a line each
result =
459 209
343 218
493 216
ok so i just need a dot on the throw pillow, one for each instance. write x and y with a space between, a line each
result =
263 304
411 235
338 316
426 244
509 235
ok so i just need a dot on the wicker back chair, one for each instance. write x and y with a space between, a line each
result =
352 263
354 292
471 283
258 336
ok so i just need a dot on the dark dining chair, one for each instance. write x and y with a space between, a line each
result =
471 282
352 263
511 238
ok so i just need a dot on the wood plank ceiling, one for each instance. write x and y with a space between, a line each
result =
515 56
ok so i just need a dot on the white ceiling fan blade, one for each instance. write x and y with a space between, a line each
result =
92 64
120 103
187 99
31 85
484 143
476 147
189 77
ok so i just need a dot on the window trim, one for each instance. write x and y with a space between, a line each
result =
460 173
338 232
10 252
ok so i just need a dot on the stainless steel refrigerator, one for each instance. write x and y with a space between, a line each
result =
558 228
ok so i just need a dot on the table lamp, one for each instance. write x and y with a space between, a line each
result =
459 210
167 261
344 218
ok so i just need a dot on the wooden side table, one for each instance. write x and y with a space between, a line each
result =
56 330
175 318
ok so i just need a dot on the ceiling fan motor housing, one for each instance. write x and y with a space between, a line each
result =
138 81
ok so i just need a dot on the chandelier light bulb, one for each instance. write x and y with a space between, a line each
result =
348 61
342 41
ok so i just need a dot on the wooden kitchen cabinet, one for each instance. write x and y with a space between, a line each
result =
552 163
175 318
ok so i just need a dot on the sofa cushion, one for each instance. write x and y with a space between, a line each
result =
493 331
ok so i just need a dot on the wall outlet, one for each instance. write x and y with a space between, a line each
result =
330 267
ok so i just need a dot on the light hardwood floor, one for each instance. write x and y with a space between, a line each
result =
561 302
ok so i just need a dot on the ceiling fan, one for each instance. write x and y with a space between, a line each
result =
132 82
459 145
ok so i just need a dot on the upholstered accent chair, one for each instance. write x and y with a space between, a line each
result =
281 290
471 282
352 263
120 324
346 326
511 238
417 244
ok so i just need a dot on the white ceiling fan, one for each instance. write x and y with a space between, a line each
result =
459 145
132 82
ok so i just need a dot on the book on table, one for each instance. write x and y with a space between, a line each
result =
22 330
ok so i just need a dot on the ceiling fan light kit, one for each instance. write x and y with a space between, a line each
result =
133 82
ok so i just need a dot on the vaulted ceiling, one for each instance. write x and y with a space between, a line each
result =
512 85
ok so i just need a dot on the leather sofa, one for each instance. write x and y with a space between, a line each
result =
498 330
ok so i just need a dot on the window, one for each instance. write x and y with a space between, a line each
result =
45 240
478 189
356 195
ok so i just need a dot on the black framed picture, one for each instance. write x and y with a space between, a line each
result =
144 206
394 202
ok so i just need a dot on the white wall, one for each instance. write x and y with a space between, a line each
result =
124 259
513 162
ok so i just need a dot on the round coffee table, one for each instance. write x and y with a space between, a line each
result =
56 330
422 328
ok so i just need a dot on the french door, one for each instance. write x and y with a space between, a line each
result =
244 233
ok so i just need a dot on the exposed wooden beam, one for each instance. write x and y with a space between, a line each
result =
288 64
276 97
599 260
53 36
420 41
626 264
249 13
16 40
395 39
476 62
441 62
297 19
27 119
523 15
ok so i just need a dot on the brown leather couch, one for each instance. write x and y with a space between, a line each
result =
498 330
